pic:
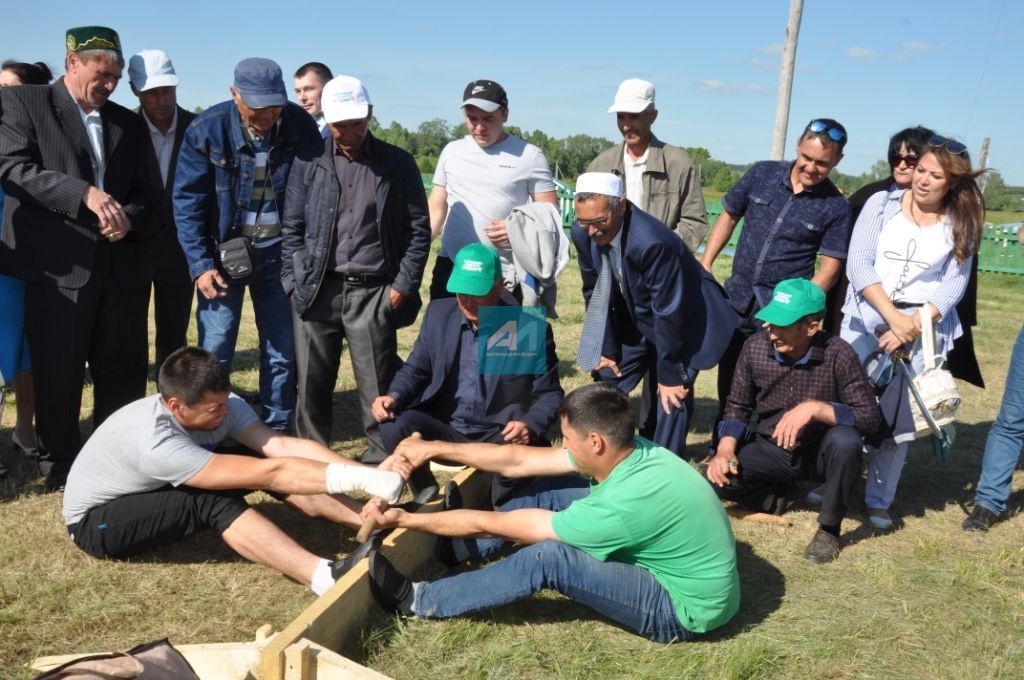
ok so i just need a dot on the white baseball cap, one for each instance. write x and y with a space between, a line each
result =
604 183
345 98
633 96
151 68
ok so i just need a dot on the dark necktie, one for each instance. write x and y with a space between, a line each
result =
596 319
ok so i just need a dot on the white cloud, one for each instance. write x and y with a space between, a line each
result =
861 53
718 87
773 65
909 50
774 48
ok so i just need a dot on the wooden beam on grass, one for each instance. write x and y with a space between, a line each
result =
337 617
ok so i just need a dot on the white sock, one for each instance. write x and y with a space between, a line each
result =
322 579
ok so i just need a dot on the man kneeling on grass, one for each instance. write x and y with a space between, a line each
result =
149 476
645 543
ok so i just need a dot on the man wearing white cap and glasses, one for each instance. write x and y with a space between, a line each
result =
155 83
652 312
356 241
479 179
659 178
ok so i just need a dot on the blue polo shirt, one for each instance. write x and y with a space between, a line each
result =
782 232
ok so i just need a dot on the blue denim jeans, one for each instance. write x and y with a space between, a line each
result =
1002 450
626 594
219 319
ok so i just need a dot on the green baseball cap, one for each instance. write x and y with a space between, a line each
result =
792 300
477 267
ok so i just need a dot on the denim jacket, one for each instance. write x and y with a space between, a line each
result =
214 179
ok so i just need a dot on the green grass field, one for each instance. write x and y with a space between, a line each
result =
926 601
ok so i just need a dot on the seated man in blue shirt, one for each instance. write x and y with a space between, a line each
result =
443 392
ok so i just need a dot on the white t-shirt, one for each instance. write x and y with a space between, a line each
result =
910 259
635 176
484 184
141 447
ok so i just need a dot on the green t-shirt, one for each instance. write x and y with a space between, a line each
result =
655 511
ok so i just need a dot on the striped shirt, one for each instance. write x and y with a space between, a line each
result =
261 219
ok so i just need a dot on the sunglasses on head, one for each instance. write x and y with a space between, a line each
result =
954 146
820 126
911 161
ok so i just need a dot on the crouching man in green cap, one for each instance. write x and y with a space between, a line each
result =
814 406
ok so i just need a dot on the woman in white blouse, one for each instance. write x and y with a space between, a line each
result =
911 248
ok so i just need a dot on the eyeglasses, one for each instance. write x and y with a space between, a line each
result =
911 161
597 221
955 147
819 126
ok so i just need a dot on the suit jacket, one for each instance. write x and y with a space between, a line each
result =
533 399
46 164
161 227
670 301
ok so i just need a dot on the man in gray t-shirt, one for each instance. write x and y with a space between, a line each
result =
479 179
150 475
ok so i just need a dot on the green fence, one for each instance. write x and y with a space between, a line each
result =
1000 250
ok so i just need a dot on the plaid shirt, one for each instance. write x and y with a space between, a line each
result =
768 384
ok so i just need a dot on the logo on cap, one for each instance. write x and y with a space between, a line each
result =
472 266
784 298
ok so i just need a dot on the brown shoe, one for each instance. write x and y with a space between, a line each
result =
823 548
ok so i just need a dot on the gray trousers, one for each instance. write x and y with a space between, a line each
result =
342 311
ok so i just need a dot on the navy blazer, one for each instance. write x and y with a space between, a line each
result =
533 399
673 302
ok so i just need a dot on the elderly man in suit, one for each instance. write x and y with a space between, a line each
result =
155 83
74 170
445 392
652 312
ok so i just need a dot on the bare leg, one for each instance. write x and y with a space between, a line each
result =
338 509
259 540
25 394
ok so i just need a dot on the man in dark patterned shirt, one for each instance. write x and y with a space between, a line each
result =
814 405
791 212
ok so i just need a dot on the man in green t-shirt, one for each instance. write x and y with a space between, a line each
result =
647 544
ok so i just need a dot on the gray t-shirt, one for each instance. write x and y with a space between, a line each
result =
140 448
484 184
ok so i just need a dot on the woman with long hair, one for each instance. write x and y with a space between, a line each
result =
911 249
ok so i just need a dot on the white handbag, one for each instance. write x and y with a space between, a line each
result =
934 388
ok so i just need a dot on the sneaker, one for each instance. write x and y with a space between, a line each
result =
816 496
980 519
340 567
389 586
879 519
823 548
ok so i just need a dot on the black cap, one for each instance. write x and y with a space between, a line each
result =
485 94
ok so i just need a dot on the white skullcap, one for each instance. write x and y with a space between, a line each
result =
604 183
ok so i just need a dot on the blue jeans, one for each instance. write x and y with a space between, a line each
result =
627 594
1002 450
218 321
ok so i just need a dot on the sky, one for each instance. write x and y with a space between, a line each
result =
876 66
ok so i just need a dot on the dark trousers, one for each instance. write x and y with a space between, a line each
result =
139 522
766 469
727 367
172 290
434 429
67 327
361 315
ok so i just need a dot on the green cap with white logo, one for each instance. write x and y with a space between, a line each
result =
792 300
477 267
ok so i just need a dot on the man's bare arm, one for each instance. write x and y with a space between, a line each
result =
720 235
437 205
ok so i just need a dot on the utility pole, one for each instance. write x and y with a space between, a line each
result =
796 10
983 162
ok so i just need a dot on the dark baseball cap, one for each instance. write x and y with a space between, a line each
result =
485 94
260 84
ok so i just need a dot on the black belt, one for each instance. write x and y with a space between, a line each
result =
361 279
900 304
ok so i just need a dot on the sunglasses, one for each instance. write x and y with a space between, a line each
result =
820 126
911 161
955 147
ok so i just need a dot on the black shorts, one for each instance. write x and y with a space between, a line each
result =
133 524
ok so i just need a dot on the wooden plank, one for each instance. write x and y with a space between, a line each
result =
763 517
323 664
337 616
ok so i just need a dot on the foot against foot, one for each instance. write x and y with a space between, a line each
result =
880 519
340 567
980 519
823 548
389 586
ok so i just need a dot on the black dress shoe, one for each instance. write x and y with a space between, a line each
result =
389 586
980 519
823 548
452 496
422 481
